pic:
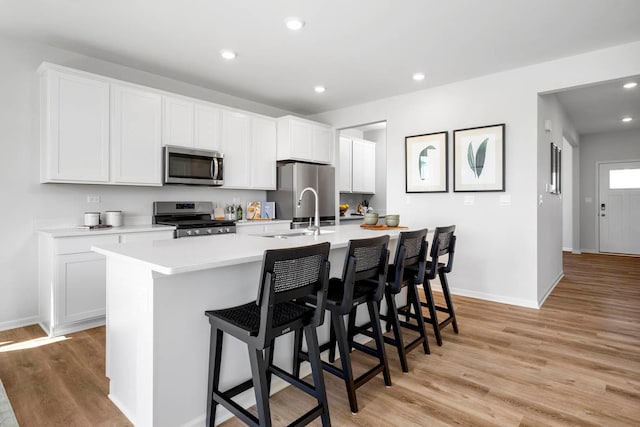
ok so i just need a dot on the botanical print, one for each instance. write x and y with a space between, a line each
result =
426 163
479 165
479 158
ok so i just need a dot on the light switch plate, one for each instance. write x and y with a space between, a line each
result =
469 200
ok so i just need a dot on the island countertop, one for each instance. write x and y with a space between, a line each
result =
185 255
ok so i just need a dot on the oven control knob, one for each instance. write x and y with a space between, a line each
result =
220 230
189 233
209 231
226 230
197 231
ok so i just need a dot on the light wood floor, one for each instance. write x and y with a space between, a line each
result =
576 361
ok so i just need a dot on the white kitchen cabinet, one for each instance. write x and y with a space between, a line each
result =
74 128
357 169
345 166
136 129
259 227
191 124
206 131
263 153
304 140
178 122
236 146
72 278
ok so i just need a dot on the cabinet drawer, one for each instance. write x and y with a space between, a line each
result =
74 245
146 235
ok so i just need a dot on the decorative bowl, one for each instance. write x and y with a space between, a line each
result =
392 220
371 218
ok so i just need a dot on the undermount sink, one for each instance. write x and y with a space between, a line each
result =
289 234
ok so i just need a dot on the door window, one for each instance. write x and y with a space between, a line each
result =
621 179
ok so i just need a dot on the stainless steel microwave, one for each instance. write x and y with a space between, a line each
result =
192 166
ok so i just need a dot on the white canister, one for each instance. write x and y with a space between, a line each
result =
113 218
91 218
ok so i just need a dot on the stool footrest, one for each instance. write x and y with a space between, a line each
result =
304 386
236 390
237 410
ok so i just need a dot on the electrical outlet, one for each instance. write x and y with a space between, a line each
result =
93 199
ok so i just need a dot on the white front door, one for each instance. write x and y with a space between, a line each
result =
619 207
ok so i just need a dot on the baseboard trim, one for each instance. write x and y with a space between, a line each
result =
589 251
18 323
435 286
551 288
567 249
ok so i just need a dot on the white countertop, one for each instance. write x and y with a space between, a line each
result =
201 253
261 222
75 232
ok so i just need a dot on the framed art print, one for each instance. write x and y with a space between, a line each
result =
478 159
426 163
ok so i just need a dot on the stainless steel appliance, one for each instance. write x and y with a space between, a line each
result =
192 166
191 219
292 178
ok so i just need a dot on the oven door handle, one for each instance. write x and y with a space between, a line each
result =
214 168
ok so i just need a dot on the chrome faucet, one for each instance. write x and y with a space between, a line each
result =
316 223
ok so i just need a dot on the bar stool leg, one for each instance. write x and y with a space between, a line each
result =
345 360
297 348
351 326
268 355
392 319
259 374
215 357
333 341
447 299
379 339
414 301
431 305
316 372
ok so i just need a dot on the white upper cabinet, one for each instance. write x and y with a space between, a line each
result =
191 124
301 139
75 128
357 168
263 153
236 146
178 122
136 128
344 167
206 128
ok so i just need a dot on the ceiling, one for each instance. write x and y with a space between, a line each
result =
360 50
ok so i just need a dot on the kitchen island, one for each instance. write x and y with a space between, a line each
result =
157 346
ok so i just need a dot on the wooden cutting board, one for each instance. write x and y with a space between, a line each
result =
381 227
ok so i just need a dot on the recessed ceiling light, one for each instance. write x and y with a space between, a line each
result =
630 85
418 77
319 89
294 24
627 119
227 54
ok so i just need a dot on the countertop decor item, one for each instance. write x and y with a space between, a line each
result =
426 158
371 218
381 227
478 159
392 220
113 218
253 210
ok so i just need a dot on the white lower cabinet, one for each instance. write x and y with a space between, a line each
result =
72 279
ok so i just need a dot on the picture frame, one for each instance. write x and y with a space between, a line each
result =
427 163
479 159
555 176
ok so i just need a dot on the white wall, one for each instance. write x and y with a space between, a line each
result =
26 205
617 146
499 247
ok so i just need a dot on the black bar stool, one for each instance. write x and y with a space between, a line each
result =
444 242
288 277
362 282
411 251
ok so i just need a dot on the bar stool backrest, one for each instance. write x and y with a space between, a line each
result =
366 260
411 250
444 242
288 276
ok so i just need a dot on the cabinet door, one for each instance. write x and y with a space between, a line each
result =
136 128
236 143
364 166
263 153
206 127
81 287
322 144
301 140
344 167
76 129
178 122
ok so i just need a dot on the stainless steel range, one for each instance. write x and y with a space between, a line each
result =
191 219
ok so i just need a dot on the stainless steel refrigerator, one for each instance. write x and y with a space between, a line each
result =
292 179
